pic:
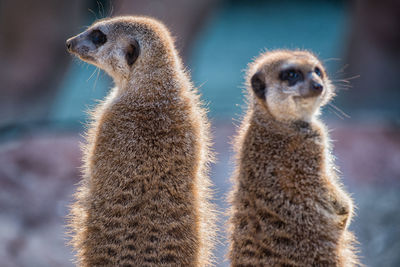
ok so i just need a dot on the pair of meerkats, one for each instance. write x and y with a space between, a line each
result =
144 198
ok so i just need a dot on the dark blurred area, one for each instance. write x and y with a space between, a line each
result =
44 94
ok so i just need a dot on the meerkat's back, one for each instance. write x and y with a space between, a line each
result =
144 199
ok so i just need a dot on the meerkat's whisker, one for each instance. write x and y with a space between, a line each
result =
91 11
111 9
353 77
347 80
97 78
102 7
339 110
334 112
91 75
342 80
332 59
342 69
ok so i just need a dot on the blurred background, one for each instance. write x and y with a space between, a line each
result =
44 94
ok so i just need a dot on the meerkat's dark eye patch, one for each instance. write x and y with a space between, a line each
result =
258 85
98 37
318 71
292 76
132 52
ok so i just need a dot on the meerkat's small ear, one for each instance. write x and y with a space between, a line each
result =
258 84
132 52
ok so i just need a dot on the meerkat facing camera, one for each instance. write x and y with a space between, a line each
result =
288 205
144 198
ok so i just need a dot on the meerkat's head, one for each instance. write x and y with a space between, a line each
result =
119 45
291 85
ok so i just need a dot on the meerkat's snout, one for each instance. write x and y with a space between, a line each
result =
316 87
86 43
313 88
80 47
69 44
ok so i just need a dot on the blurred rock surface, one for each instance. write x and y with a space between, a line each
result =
37 179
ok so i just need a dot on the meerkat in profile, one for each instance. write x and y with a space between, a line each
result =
288 206
144 198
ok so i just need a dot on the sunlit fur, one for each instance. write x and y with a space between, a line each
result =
144 197
288 205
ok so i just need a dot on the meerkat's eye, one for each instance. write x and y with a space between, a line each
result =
98 37
291 75
318 71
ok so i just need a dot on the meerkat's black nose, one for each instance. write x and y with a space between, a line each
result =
316 87
69 44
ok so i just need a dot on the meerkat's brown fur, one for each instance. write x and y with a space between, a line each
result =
288 206
144 198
